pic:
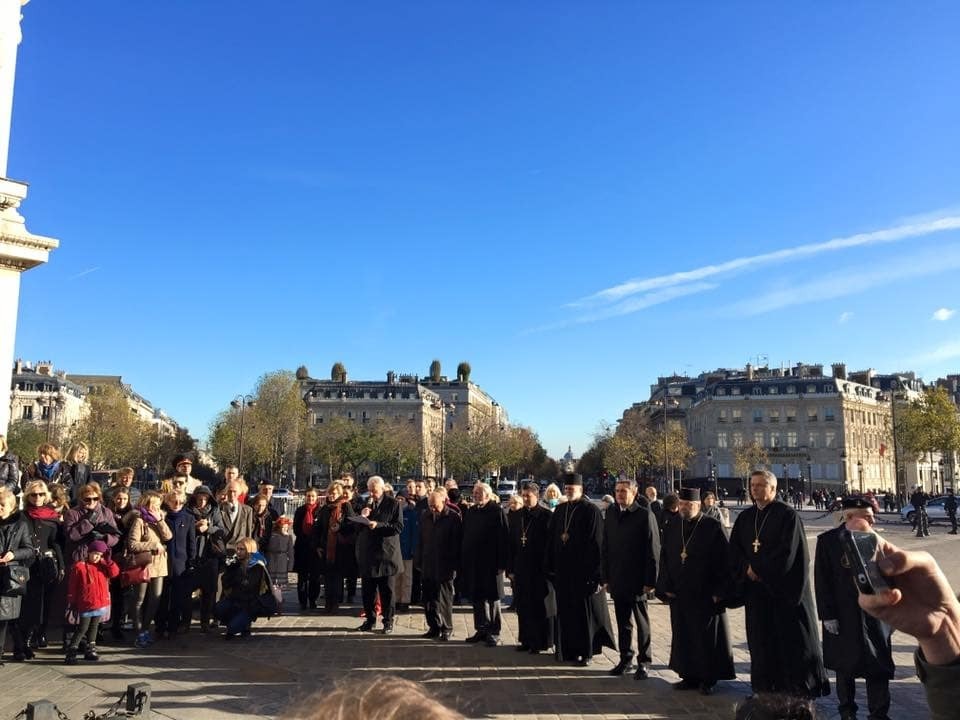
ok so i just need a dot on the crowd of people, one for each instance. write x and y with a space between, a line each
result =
97 560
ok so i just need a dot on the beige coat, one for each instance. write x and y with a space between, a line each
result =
142 537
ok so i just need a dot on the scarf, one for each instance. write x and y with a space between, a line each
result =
254 558
48 471
306 526
42 512
336 510
148 517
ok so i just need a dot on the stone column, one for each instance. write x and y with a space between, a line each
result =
19 249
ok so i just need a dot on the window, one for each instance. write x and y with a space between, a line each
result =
775 440
738 440
455 397
828 388
833 471
735 391
791 389
811 388
45 412
721 440
757 415
828 414
791 414
773 390
722 416
792 439
829 439
721 391
774 416
350 414
812 440
737 415
723 470
758 390
758 438
318 420
28 412
812 415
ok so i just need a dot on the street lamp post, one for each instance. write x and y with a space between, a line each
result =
810 474
241 402
860 474
843 463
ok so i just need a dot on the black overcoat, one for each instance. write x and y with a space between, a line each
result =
437 554
304 544
15 537
485 551
630 551
862 648
378 550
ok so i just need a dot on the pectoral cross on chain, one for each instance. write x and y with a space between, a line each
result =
756 545
683 557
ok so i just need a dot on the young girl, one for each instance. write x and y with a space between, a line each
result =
88 597
280 552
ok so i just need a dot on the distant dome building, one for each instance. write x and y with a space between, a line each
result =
568 463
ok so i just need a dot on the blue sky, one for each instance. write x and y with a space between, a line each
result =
513 184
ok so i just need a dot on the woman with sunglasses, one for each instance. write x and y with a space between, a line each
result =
89 520
47 571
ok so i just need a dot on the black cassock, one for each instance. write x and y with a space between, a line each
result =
781 621
573 562
862 649
700 648
533 596
484 551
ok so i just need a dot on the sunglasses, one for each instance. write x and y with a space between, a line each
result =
92 498
179 482
37 495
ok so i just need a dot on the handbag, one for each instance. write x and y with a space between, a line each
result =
133 560
135 576
47 569
13 581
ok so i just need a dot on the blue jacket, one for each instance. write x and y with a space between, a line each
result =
182 547
410 535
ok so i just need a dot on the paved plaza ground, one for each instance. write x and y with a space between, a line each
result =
195 676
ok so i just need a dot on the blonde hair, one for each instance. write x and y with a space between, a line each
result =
172 494
147 497
58 495
248 543
74 449
7 497
551 491
3 444
48 449
384 699
91 487
36 485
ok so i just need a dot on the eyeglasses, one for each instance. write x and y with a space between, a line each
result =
92 498
179 482
37 495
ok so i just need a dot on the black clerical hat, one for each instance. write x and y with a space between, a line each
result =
690 494
855 501
572 479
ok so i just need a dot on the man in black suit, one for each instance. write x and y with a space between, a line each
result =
378 553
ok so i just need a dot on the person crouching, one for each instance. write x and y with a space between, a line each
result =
246 584
88 597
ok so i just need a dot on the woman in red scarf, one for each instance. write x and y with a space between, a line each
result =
333 544
43 526
306 562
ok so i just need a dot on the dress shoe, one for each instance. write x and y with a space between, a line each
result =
584 661
623 666
367 626
491 641
684 685
42 640
522 648
641 673
387 628
71 657
475 638
706 688
431 634
91 654
444 637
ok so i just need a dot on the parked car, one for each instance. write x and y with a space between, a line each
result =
506 489
935 511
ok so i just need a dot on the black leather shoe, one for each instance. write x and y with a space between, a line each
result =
431 634
584 661
475 638
706 688
42 640
522 648
443 637
621 667
641 673
387 628
367 626
491 641
684 685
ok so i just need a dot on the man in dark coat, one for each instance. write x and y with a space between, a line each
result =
378 553
855 644
483 557
532 595
770 562
692 581
950 505
437 556
630 554
573 564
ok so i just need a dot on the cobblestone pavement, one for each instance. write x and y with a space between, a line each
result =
201 676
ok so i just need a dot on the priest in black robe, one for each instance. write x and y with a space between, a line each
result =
855 644
573 564
694 572
532 595
770 562
484 555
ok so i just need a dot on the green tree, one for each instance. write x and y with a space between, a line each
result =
338 373
590 463
277 423
928 425
435 372
23 439
749 457
114 434
463 372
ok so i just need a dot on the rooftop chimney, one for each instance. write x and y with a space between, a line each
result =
839 371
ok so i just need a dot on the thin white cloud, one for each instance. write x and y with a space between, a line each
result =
845 317
942 353
943 314
84 272
737 265
851 281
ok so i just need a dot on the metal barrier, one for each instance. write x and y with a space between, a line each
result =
135 702
286 505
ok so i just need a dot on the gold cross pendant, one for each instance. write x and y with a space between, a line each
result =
523 541
564 537
756 545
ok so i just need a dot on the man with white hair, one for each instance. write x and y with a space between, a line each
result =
770 563
484 557
855 644
378 553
